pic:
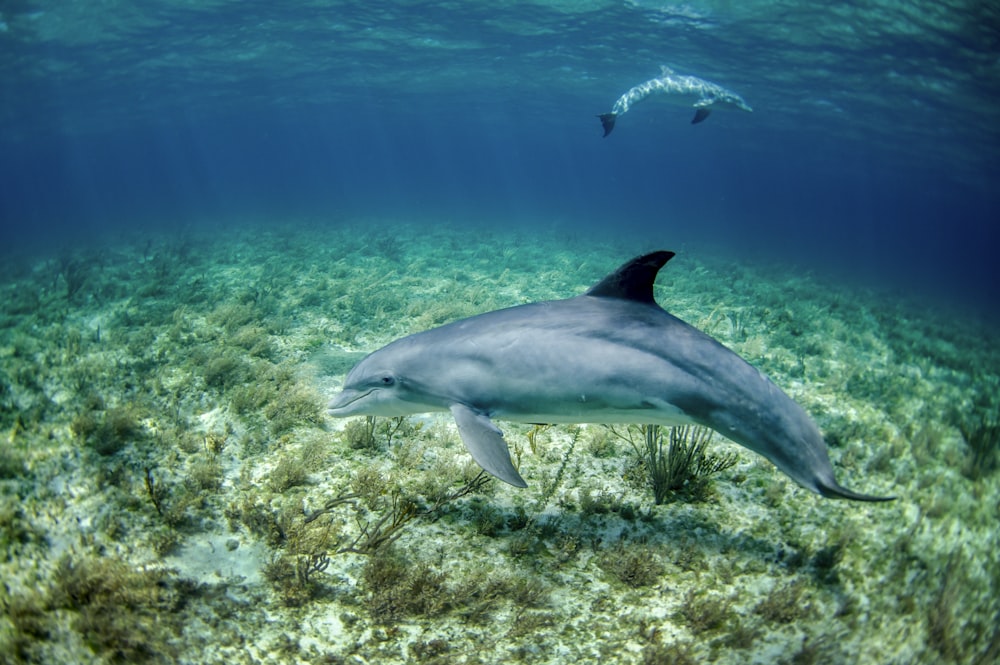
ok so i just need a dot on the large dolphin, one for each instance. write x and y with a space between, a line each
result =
706 95
611 355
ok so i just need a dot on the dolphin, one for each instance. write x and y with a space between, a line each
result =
707 95
610 355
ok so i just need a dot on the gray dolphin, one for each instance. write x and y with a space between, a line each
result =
611 355
707 95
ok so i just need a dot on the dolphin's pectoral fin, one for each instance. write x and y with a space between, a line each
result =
700 115
486 444
608 122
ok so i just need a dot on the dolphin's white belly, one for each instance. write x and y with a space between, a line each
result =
573 379
669 416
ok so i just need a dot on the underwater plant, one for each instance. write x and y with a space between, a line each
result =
109 433
74 273
307 551
308 541
678 464
371 433
397 587
982 435
634 565
785 604
360 434
12 463
704 613
557 481
125 614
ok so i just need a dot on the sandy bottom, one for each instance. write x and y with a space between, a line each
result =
171 489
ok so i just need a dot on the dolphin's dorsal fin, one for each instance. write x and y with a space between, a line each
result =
634 280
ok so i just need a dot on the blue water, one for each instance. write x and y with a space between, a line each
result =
873 150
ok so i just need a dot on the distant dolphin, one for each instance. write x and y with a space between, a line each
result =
707 96
611 355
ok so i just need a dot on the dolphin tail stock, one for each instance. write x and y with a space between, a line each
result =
608 122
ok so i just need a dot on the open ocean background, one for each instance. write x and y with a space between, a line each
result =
874 146
210 210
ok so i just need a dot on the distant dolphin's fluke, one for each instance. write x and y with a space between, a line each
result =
608 122
706 96
611 355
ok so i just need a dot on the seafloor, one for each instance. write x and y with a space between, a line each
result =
171 489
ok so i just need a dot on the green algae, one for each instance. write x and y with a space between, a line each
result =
176 400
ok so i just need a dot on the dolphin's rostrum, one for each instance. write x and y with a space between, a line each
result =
611 355
706 95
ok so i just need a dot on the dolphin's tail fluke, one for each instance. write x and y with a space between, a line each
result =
834 490
608 122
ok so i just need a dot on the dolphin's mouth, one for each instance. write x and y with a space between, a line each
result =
342 403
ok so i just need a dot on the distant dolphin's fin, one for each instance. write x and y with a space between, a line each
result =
608 122
634 280
486 444
700 115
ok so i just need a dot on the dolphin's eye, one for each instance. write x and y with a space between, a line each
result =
387 380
